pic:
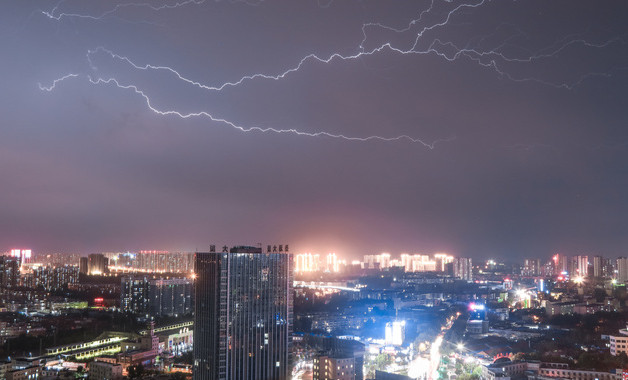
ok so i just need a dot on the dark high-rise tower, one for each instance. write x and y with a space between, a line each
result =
243 318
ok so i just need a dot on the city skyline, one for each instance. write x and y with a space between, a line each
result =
477 128
245 313
148 259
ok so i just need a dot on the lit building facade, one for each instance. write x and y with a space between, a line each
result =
463 268
580 266
418 263
243 313
100 370
23 255
156 297
560 264
333 263
54 278
151 261
334 367
442 259
307 262
172 297
531 267
134 294
97 264
9 271
478 320
165 261
395 333
619 343
381 261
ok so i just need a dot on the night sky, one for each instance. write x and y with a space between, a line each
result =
483 129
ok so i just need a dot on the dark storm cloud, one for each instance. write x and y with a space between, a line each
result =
527 100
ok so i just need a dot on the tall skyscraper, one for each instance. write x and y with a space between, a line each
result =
531 267
381 261
560 264
581 266
622 269
307 262
54 278
172 296
395 333
134 294
463 268
156 297
442 259
608 267
9 271
97 264
243 319
333 264
23 255
84 265
598 266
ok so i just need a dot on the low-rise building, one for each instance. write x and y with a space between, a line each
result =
505 369
619 343
558 308
4 367
562 370
23 373
105 371
334 367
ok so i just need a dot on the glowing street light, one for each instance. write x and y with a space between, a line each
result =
578 280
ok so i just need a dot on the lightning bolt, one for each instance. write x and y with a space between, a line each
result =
54 83
149 104
480 57
493 59
55 15
300 64
390 28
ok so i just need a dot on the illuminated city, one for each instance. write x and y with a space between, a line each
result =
414 315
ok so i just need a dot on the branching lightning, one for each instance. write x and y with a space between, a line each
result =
54 83
301 63
494 59
483 58
386 27
56 15
138 91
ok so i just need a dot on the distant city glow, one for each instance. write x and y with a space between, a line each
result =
307 262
